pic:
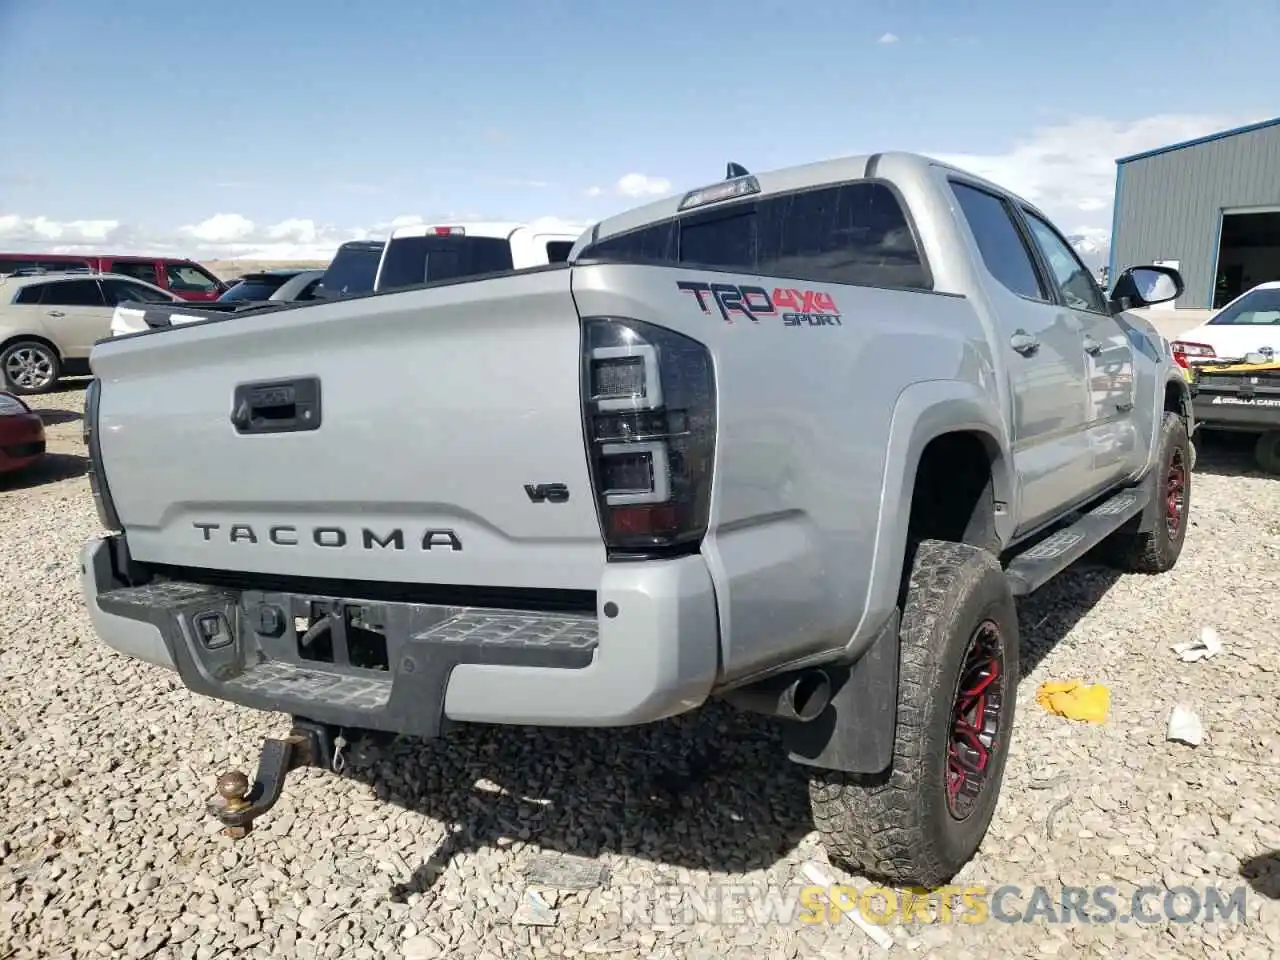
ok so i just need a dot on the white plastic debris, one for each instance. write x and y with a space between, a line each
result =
1185 726
818 877
1209 644
534 911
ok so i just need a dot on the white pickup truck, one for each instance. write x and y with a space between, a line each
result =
425 253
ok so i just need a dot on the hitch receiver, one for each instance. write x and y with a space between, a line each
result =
238 803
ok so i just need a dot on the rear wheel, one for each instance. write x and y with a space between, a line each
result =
1157 550
1267 451
29 367
924 818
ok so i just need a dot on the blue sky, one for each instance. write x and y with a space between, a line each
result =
324 119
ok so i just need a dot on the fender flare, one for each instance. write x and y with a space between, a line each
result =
1186 405
856 732
922 412
1184 395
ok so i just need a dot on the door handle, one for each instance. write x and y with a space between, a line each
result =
1091 345
56 313
289 406
1024 343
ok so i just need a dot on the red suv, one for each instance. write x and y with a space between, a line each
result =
183 278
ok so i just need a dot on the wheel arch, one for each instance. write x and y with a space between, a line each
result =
8 342
931 420
1177 396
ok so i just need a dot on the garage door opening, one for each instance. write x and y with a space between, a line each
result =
1248 254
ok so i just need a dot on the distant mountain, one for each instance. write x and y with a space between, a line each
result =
1093 246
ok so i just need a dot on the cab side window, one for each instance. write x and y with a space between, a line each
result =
1000 242
1079 291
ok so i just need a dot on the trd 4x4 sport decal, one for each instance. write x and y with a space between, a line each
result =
798 308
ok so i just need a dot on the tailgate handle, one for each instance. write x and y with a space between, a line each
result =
279 406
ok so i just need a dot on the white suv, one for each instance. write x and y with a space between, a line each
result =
49 323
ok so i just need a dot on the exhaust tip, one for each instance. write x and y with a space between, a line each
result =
809 695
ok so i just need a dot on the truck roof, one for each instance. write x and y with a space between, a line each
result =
782 180
499 229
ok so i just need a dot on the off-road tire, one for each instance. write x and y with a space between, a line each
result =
1158 549
896 826
1267 452
50 355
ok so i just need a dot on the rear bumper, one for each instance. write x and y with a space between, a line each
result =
654 658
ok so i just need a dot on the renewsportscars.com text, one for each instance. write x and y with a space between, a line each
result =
740 905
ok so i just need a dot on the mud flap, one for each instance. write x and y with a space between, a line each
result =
855 732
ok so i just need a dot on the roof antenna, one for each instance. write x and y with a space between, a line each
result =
735 170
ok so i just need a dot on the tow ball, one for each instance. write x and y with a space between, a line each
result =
238 803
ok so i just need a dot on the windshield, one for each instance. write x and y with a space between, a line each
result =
352 271
1259 308
255 288
413 260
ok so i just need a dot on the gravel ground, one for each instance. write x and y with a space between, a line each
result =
422 852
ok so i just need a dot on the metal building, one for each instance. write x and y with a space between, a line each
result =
1210 207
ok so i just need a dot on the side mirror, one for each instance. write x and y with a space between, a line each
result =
1146 286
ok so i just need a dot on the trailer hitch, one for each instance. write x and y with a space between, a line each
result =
238 803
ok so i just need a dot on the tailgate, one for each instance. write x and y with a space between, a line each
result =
429 413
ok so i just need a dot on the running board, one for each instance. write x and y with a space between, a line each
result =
1041 563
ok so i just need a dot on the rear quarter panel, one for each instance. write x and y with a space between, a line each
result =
804 421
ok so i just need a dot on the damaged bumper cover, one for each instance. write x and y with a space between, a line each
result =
402 667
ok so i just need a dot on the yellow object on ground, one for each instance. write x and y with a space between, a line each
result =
1075 700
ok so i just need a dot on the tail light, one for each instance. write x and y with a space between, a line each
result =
650 417
97 478
1183 349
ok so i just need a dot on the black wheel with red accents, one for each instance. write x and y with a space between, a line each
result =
1156 550
977 720
924 818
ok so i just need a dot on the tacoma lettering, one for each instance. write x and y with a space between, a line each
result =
394 539
333 538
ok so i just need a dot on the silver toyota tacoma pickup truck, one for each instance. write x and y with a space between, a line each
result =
795 440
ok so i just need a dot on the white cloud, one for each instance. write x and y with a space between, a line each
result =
888 38
224 236
42 230
593 191
642 185
220 228
294 231
1069 169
